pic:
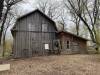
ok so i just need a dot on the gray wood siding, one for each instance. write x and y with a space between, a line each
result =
28 42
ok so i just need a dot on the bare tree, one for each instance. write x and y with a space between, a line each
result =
76 21
88 12
1 7
50 8
63 19
8 23
9 4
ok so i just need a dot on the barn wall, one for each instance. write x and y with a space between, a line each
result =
30 41
81 43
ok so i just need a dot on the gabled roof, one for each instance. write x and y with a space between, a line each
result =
37 10
66 32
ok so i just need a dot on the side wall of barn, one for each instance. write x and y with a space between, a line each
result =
71 44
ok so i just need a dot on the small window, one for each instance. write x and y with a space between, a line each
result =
68 44
44 27
46 46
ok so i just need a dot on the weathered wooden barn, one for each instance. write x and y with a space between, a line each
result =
36 34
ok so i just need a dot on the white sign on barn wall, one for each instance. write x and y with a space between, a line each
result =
4 67
46 46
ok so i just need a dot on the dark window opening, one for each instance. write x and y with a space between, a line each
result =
68 44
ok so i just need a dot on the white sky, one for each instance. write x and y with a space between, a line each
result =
26 6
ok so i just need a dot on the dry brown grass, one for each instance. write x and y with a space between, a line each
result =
56 65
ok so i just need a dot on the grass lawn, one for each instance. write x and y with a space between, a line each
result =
55 65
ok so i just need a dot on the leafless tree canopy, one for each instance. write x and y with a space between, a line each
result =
88 12
51 8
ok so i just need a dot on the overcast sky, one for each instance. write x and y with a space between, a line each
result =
26 6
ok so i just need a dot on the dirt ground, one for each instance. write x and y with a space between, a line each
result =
55 65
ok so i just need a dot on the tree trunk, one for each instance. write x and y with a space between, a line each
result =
3 53
1 7
2 26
